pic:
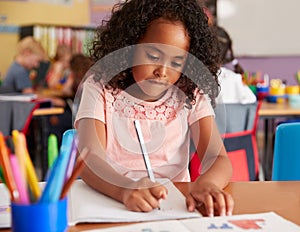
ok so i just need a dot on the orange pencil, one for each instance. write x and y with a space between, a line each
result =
7 171
76 172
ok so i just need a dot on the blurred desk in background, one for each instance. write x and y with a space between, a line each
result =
32 118
53 93
48 111
270 113
273 110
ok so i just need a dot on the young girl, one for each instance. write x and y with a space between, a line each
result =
59 71
157 62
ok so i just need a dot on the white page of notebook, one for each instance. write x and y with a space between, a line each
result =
88 205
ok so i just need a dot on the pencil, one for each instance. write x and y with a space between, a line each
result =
20 180
54 185
144 150
76 172
52 149
72 159
7 171
1 175
20 153
30 171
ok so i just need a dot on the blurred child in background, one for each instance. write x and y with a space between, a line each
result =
59 71
29 54
79 65
233 90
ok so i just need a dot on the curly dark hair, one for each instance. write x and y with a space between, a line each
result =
129 22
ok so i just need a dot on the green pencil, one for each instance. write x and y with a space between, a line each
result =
52 149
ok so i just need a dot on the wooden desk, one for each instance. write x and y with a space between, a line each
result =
250 197
269 112
50 93
273 110
48 111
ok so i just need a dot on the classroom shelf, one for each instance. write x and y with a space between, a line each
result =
79 38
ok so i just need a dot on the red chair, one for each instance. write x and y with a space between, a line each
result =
240 143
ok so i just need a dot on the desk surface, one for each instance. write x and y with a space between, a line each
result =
46 92
250 197
277 110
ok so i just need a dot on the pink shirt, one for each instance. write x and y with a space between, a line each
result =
165 125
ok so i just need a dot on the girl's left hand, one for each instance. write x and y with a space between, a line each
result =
212 197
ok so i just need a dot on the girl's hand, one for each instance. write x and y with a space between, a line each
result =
212 197
144 195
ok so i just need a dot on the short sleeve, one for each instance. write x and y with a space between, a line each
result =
202 108
92 103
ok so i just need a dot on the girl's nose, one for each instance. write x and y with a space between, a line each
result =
161 71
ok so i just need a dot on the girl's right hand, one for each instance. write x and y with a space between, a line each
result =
144 195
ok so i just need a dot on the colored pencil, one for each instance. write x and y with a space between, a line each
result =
76 172
7 171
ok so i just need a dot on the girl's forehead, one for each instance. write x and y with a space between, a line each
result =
163 31
162 49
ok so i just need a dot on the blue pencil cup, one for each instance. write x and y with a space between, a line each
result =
37 217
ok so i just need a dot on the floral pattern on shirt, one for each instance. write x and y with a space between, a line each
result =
127 106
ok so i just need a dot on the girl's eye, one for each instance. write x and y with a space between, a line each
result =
176 65
152 57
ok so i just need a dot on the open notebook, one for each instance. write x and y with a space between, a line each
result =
87 205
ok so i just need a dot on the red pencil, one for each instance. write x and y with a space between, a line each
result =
76 172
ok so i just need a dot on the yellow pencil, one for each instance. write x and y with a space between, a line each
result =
30 171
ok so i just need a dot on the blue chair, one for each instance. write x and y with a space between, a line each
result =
286 160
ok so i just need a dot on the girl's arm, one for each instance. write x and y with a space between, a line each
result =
216 169
137 196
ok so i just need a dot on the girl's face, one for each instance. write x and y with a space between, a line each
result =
159 58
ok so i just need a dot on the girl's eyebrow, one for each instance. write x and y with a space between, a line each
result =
161 52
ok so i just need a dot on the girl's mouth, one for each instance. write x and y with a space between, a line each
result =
153 81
